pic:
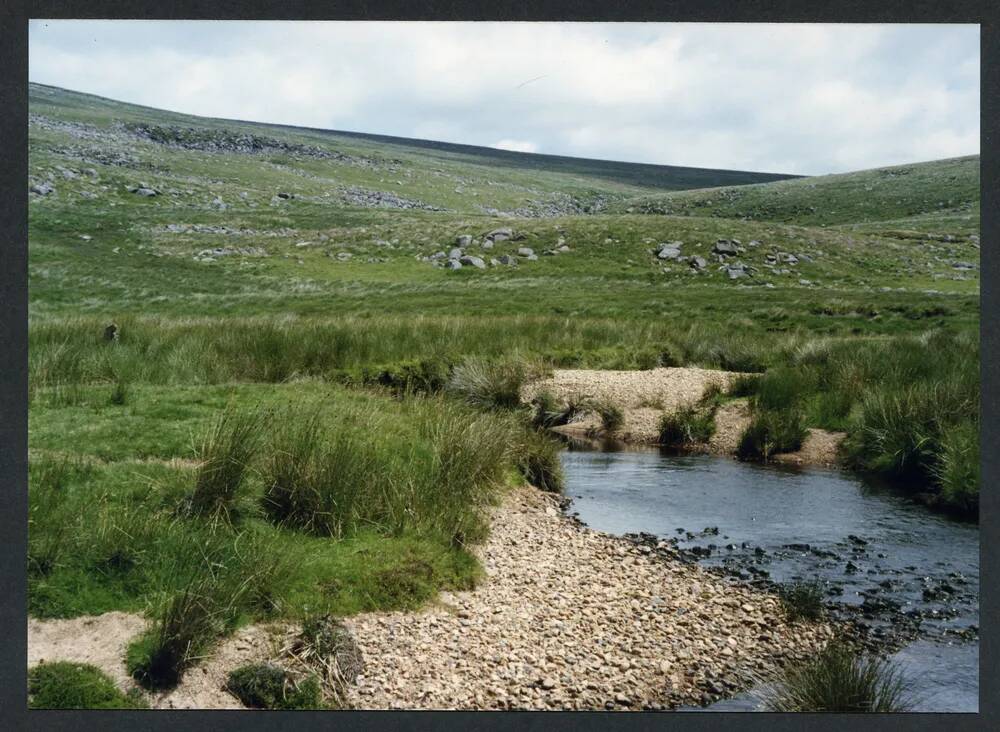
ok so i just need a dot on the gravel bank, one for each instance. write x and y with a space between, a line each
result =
644 396
570 618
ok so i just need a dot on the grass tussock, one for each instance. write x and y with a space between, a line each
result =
68 685
771 432
330 473
489 384
537 459
840 679
269 686
803 601
225 456
690 425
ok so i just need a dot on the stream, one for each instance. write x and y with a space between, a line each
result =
906 576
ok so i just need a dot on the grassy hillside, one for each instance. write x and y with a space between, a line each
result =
939 197
249 267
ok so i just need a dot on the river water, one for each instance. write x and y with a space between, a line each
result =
891 565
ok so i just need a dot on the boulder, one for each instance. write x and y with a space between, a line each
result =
285 196
698 263
143 190
455 253
563 249
726 248
788 258
487 244
344 256
507 259
525 251
668 252
500 234
473 261
453 264
463 241
438 255
43 189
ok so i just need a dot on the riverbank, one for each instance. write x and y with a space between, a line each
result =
565 618
645 396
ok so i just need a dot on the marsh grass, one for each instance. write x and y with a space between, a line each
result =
537 458
333 472
841 679
690 425
225 455
68 685
489 384
771 432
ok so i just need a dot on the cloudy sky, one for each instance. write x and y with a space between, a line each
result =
807 99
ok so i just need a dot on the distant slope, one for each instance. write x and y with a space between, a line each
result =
919 194
92 109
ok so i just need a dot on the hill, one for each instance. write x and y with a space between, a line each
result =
942 195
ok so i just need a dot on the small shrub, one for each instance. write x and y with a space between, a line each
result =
537 458
689 425
771 432
66 685
612 416
803 600
225 453
841 680
268 686
489 384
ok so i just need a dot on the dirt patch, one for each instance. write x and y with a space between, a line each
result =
202 687
99 640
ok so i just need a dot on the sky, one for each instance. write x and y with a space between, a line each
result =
806 99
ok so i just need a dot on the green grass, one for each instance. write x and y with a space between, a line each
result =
942 189
841 680
771 432
267 686
67 685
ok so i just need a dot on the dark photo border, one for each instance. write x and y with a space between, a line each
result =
14 15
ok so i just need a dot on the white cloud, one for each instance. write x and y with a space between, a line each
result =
516 145
783 98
